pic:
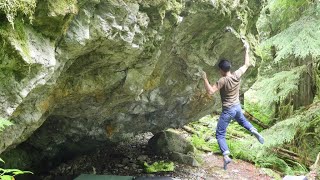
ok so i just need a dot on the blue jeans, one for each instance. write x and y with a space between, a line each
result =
227 114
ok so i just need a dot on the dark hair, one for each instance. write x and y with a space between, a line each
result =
224 65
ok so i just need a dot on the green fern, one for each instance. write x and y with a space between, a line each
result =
301 39
296 25
277 15
286 132
289 131
262 114
278 87
286 11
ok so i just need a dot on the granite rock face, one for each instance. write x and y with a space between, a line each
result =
90 72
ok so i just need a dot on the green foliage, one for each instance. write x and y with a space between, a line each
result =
277 15
204 138
278 87
301 39
307 138
301 130
160 166
200 143
262 114
8 173
289 31
242 146
4 123
204 130
12 7
283 12
292 27
289 131
280 133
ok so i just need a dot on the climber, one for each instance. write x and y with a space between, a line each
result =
229 85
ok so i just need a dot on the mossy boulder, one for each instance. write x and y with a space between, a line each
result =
92 72
170 141
174 145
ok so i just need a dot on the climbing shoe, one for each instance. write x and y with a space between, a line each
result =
226 161
258 136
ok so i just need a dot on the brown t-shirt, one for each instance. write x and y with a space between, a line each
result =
229 89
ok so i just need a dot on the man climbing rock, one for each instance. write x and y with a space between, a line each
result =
229 85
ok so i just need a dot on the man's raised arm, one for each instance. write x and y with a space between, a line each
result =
247 64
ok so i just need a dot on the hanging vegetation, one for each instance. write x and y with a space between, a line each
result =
11 8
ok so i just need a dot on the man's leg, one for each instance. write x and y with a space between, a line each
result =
221 130
241 119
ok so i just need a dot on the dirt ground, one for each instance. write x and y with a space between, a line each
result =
127 160
237 169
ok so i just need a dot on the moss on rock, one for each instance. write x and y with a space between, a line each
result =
52 17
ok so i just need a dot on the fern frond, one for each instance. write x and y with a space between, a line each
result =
278 87
300 39
277 136
4 123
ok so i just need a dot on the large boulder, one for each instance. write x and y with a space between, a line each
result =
172 144
169 141
111 69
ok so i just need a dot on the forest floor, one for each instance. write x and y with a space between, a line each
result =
127 160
